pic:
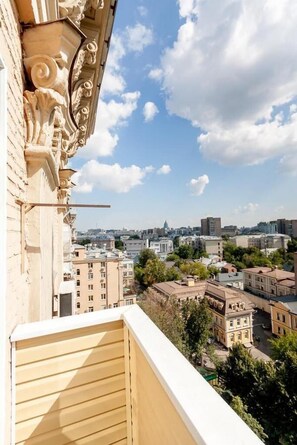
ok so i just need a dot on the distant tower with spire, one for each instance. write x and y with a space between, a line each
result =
166 226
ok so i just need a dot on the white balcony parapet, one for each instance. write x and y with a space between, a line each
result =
204 414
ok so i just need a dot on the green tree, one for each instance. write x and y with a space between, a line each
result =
172 274
172 257
165 313
184 251
154 272
198 320
213 270
144 256
194 268
241 409
119 244
176 242
282 345
292 245
85 241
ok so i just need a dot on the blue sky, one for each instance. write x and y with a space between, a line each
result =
197 116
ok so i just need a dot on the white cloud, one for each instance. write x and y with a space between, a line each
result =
138 37
111 116
114 178
164 170
241 72
155 74
142 11
198 185
149 111
248 208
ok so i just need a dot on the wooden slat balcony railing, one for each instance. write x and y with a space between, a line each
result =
111 377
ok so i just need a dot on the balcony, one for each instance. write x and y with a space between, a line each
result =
111 377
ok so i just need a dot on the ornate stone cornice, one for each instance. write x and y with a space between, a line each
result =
75 9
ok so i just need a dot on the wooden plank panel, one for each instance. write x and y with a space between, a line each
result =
64 363
42 387
152 408
73 396
33 350
116 435
61 418
71 433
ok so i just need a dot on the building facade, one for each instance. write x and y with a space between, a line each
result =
211 226
284 315
262 241
231 309
266 282
133 247
100 279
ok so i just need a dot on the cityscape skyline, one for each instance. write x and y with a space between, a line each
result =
165 148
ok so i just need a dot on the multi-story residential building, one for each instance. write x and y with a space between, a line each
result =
231 309
283 315
287 227
100 279
232 315
211 226
128 272
230 279
229 230
212 245
265 282
267 227
133 247
261 241
162 247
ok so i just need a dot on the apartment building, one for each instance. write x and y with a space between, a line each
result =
212 245
133 247
101 276
287 226
211 226
232 315
231 309
283 315
261 241
162 247
265 283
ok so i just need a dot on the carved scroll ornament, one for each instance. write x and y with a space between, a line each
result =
75 9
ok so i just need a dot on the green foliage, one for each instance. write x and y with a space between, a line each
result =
166 315
268 389
243 257
185 252
154 272
85 241
172 274
213 270
176 241
144 256
194 268
172 257
292 245
119 244
241 409
198 320
283 345
134 237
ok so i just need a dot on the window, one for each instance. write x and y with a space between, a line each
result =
90 286
278 330
103 296
78 305
90 265
78 293
278 316
284 319
238 321
77 271
90 276
284 331
103 285
102 264
231 324
239 336
232 338
246 334
103 274
245 320
115 305
76 253
91 298
91 308
78 282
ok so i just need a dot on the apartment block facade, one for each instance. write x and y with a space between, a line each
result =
133 247
212 245
211 226
231 309
263 241
100 279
